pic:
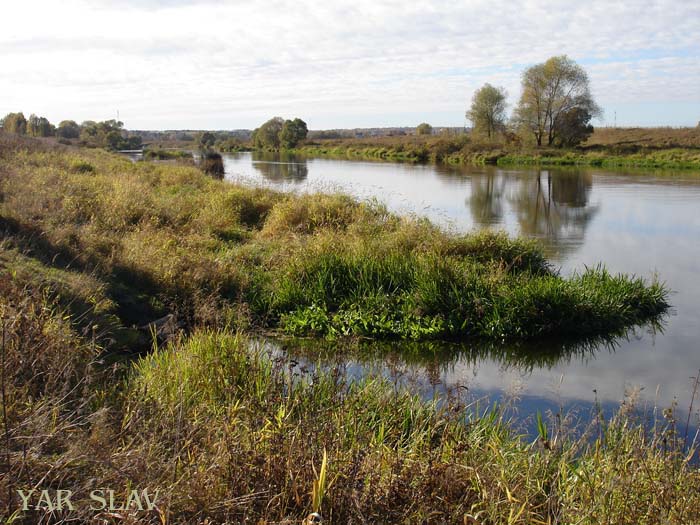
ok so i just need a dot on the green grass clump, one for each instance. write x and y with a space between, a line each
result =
424 295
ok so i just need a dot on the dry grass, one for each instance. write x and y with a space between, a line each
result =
652 138
229 433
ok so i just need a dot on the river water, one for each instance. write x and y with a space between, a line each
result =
631 221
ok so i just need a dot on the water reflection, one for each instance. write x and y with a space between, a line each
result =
280 167
486 199
551 206
438 359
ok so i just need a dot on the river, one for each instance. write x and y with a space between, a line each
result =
631 221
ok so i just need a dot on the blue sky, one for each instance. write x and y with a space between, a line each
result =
233 64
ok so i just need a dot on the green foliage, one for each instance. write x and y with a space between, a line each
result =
488 110
278 133
573 127
68 129
645 158
206 140
230 145
108 134
267 136
292 133
411 295
424 129
166 154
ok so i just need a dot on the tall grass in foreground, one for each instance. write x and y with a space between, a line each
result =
286 437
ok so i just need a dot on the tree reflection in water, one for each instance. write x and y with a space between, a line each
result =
549 205
280 167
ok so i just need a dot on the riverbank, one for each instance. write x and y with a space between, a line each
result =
213 427
135 290
664 149
167 239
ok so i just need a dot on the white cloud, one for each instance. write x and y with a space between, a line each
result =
179 63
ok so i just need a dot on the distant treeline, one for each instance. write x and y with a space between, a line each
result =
108 134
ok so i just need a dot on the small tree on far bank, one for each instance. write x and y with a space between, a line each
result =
424 129
488 110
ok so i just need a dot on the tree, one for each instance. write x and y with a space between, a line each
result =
555 95
108 134
15 123
39 126
574 127
68 129
206 140
267 136
424 129
488 110
292 133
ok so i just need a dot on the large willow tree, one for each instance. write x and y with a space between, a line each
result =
556 104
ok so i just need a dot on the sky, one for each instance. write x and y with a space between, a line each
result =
215 64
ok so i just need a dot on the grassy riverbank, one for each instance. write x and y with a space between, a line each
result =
94 247
661 148
166 239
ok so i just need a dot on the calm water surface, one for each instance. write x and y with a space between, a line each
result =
632 221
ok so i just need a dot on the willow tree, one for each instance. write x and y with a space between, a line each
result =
488 110
555 94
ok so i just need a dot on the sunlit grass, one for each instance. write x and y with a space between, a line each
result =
213 252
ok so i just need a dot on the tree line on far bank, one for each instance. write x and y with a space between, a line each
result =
109 134
555 109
